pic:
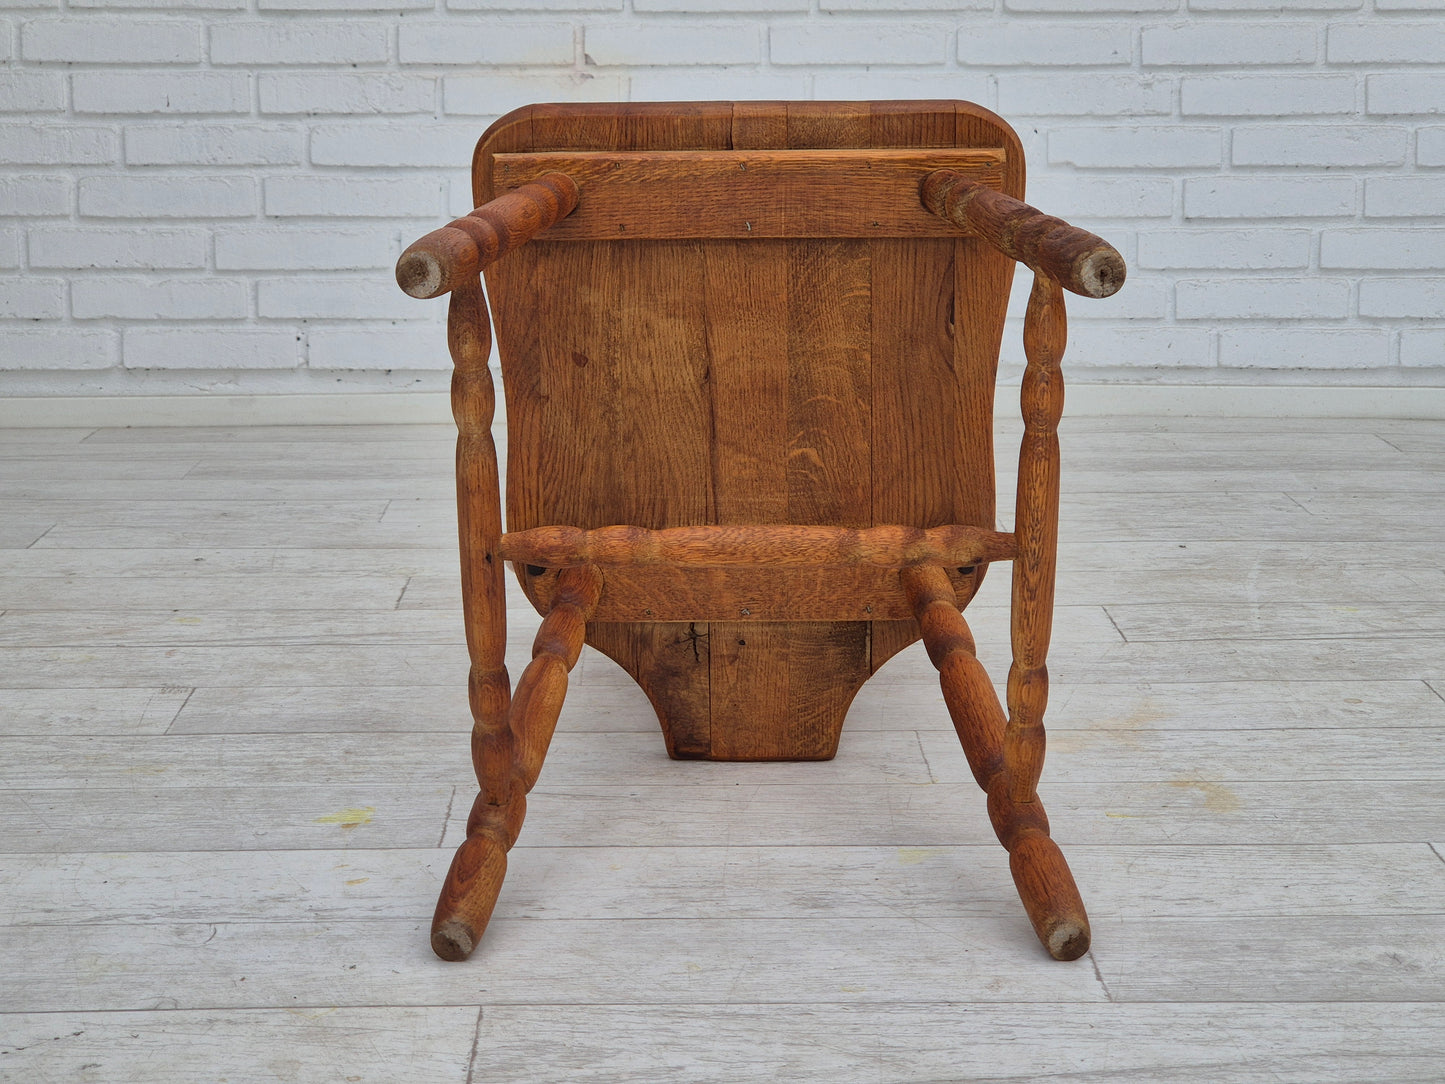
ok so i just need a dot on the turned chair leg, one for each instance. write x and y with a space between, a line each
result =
1047 888
509 735
508 749
475 877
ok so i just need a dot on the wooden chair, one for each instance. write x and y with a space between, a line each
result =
749 353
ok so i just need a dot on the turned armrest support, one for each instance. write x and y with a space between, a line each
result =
443 258
1082 262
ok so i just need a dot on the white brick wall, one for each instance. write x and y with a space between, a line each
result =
211 193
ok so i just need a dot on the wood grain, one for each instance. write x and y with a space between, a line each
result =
451 256
470 889
1036 526
768 593
825 547
824 356
783 369
1316 1043
1045 884
697 392
1080 261
701 881
750 194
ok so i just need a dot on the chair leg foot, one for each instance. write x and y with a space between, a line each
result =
467 897
1050 896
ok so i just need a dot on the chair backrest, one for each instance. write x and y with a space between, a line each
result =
749 336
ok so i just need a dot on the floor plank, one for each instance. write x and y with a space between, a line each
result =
229 436
207 760
84 490
733 880
20 532
48 434
355 962
138 817
1361 958
259 626
90 711
105 469
324 1045
982 1044
254 591
1188 705
1184 810
256 561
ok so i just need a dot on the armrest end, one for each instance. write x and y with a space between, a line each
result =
1082 262
437 262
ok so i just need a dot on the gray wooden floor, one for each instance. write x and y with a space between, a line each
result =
234 767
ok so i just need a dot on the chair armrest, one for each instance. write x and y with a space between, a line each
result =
444 258
1082 262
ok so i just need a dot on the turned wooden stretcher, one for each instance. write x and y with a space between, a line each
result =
749 353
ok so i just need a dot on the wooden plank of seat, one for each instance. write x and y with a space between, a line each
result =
824 405
623 350
933 373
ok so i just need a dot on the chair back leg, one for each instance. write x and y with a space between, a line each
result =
1050 896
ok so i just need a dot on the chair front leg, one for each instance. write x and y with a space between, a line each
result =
1036 531
1040 873
477 869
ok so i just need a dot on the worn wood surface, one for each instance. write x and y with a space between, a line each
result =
740 881
1251 772
1200 1044
700 595
1045 884
1077 259
451 257
867 191
716 547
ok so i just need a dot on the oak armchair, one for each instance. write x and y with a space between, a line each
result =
749 353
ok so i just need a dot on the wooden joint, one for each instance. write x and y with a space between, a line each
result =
1013 820
783 545
489 693
1082 262
458 251
501 820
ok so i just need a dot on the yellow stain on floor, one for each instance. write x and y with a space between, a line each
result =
911 856
1217 797
348 818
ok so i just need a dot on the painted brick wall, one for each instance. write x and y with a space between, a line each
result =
209 194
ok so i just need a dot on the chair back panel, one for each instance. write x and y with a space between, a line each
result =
712 379
772 380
